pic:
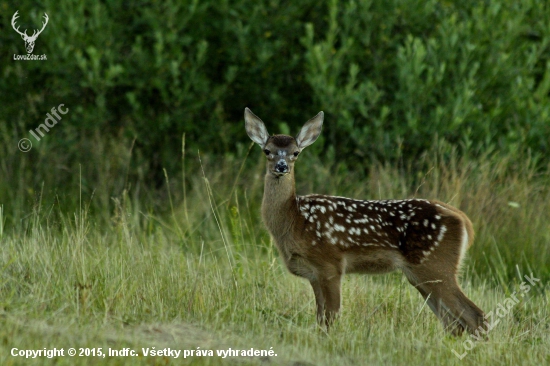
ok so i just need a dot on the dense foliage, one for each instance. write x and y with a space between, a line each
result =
391 76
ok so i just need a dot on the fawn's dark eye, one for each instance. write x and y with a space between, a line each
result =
267 152
296 153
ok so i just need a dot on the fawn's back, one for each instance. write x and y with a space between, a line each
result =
376 236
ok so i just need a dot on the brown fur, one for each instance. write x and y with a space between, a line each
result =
321 237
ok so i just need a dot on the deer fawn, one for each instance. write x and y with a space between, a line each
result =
322 237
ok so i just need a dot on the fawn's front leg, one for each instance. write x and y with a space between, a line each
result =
326 288
331 292
319 300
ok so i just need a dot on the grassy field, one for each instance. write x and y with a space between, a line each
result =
203 275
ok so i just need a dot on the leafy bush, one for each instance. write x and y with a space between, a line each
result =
393 77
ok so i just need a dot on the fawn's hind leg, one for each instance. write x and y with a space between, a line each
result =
444 296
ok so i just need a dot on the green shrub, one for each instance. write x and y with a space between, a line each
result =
393 77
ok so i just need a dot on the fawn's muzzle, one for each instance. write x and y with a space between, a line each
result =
281 167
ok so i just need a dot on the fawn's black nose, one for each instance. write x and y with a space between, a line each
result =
281 167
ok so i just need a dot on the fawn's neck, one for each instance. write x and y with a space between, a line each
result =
279 206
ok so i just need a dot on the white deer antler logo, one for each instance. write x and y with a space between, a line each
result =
29 40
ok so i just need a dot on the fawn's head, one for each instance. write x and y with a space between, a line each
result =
282 150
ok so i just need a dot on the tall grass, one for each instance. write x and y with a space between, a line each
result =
122 265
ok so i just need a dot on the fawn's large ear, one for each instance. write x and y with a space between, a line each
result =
255 128
310 131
